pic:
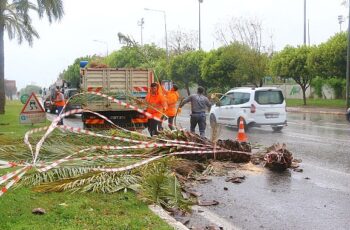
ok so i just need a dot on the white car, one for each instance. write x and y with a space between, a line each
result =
257 106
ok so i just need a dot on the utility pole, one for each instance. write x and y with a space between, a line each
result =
140 23
308 32
340 20
348 65
304 22
199 15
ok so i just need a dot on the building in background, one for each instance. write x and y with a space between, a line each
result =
10 89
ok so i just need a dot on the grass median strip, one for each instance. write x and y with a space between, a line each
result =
322 103
76 211
64 210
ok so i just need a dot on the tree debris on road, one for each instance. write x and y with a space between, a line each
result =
278 157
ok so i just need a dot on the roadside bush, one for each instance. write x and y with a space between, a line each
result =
338 85
317 84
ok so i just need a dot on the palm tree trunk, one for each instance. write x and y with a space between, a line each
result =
2 70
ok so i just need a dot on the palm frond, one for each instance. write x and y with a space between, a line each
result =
53 9
82 180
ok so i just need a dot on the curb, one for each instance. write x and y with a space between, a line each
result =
167 218
306 110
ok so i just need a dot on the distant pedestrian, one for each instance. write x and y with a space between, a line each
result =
348 115
157 106
172 97
59 102
199 104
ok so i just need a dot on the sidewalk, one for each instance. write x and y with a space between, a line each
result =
316 110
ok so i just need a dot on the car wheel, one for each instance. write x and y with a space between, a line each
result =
212 120
277 128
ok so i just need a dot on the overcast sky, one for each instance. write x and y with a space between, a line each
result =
87 20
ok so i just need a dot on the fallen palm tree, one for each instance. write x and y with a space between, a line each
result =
109 161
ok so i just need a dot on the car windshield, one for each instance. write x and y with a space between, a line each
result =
263 97
235 98
240 98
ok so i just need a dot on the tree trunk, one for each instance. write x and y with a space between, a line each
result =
261 83
2 68
304 94
188 89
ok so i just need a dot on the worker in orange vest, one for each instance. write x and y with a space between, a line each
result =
59 102
157 107
172 97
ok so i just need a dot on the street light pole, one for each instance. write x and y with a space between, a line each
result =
166 37
304 22
340 20
166 33
348 64
103 43
199 15
140 23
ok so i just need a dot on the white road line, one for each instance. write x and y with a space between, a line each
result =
214 218
340 173
318 139
324 126
167 218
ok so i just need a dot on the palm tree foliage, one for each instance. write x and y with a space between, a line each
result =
15 19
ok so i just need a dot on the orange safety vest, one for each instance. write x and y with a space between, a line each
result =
158 104
172 98
59 100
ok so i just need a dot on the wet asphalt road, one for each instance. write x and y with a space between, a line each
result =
317 198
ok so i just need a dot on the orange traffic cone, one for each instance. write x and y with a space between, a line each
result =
241 137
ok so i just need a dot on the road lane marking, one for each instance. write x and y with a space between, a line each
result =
167 218
214 218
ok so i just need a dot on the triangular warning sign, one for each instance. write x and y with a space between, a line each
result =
32 105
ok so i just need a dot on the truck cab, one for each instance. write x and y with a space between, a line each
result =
73 103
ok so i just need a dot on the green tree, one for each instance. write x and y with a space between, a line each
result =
135 56
294 63
252 65
29 89
229 66
16 21
161 69
72 73
185 69
329 58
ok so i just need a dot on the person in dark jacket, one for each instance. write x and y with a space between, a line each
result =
348 115
199 104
